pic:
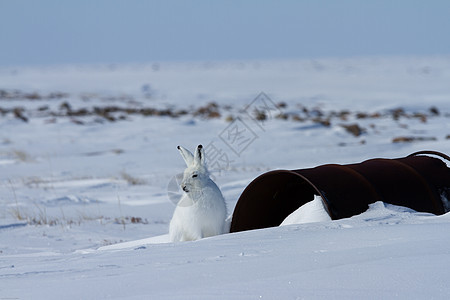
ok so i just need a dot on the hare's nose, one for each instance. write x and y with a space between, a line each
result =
185 189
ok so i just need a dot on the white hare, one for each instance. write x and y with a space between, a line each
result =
201 211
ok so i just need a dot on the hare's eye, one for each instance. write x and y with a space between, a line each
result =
194 175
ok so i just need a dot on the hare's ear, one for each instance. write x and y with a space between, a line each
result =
199 158
187 156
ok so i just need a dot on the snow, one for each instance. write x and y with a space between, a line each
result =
310 212
85 202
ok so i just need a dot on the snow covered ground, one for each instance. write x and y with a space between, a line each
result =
88 166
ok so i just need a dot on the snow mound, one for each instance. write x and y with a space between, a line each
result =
380 213
138 244
71 200
310 212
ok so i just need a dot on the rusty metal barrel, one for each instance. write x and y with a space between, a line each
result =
420 181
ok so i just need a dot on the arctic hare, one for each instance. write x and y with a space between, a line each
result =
201 211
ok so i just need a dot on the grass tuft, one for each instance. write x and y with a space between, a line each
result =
131 179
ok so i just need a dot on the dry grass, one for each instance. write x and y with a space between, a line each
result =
22 156
131 179
17 211
39 216
410 139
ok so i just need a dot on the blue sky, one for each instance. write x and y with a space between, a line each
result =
112 31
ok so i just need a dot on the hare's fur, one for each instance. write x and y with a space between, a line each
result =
201 211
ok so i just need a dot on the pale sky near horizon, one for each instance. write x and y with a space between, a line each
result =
117 31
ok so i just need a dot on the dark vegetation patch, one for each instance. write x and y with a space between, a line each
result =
209 111
20 95
58 105
353 129
410 139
